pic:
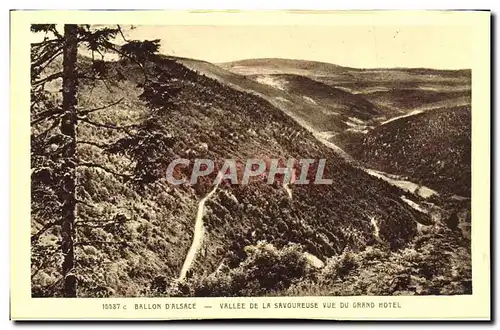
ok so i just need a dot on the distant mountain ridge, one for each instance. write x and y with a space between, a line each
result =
220 114
318 67
279 65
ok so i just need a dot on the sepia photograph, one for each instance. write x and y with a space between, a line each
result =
112 110
224 161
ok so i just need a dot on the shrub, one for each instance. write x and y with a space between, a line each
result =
266 269
340 266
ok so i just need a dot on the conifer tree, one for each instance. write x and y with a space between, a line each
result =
55 119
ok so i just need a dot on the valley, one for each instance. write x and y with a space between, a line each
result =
393 170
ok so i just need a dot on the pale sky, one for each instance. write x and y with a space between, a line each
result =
444 47
381 46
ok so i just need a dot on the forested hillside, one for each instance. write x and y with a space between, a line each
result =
133 229
433 148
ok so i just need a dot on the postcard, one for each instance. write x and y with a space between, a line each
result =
174 165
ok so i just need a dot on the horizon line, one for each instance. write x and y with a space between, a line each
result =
322 62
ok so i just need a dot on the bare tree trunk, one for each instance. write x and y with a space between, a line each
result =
68 128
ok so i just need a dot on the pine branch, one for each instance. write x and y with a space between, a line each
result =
45 80
41 68
105 169
47 114
45 57
101 146
112 47
107 86
53 29
45 263
45 42
99 52
86 112
110 126
87 225
92 243
121 33
97 223
46 227
94 220
47 131
78 201
51 288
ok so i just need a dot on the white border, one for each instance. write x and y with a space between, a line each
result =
188 4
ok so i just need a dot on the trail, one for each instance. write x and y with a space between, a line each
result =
412 113
322 138
313 260
430 107
392 179
376 230
199 232
409 186
414 205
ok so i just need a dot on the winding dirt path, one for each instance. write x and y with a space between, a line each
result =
409 186
288 190
199 231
